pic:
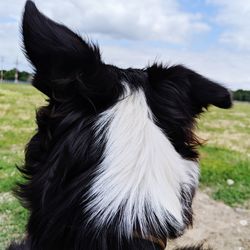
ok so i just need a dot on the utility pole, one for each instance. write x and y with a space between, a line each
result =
1 77
16 73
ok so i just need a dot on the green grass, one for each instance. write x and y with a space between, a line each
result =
226 154
17 112
13 218
217 166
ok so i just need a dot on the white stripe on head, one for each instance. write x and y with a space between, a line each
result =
140 170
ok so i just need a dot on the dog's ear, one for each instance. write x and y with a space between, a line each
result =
54 50
206 92
201 90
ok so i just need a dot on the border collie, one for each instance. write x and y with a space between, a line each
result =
114 162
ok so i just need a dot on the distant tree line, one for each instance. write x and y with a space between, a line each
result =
242 95
9 75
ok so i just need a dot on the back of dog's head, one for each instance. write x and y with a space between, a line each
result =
115 147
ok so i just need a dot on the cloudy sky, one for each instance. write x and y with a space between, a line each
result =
210 36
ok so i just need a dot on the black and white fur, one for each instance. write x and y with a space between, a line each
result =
114 158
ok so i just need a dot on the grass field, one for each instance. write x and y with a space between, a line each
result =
225 156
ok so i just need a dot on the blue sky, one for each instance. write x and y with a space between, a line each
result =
209 36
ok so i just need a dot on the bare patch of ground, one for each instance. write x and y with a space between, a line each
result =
6 197
218 225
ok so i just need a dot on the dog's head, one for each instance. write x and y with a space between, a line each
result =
143 123
67 67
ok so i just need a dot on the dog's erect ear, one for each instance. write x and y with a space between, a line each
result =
202 91
55 51
207 92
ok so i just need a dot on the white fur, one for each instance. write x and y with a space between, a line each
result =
140 169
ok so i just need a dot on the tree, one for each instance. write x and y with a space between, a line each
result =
10 75
241 95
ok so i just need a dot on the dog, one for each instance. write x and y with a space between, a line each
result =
114 162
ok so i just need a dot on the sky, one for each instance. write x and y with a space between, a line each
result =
211 37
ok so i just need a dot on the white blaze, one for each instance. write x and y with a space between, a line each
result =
140 169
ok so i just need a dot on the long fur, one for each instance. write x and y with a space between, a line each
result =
114 160
141 174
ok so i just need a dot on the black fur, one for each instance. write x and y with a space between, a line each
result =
61 157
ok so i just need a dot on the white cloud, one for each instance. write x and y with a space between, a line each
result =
10 38
229 69
234 16
139 22
128 19
10 45
160 20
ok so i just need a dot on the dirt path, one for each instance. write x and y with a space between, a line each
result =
220 226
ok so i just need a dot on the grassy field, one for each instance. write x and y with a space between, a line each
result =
225 156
